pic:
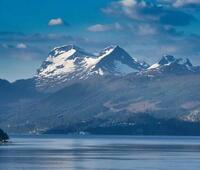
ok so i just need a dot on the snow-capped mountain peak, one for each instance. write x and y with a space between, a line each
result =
66 48
108 50
164 61
62 60
71 63
170 64
185 62
167 60
171 60
115 60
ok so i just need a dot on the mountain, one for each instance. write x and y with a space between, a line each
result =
107 93
68 64
170 64
116 61
109 103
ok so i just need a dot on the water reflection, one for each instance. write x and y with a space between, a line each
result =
100 153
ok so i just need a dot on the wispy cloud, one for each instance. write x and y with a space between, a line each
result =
146 30
128 3
36 46
157 27
181 3
21 46
98 28
160 12
104 27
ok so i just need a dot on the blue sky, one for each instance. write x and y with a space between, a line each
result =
147 29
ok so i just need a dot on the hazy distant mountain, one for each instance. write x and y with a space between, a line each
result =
21 90
170 64
106 93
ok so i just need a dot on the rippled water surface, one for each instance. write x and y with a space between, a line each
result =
100 153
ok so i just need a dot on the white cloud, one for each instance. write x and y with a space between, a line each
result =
180 3
21 46
56 21
128 3
98 28
104 27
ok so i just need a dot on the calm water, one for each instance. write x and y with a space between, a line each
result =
100 153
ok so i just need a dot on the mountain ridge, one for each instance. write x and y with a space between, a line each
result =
68 64
71 63
97 98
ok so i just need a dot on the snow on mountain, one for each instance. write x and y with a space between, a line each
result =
64 60
67 64
170 64
194 116
117 61
164 61
71 63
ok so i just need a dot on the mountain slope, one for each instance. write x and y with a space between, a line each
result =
116 61
17 91
110 100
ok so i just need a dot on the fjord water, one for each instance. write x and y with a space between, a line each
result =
100 153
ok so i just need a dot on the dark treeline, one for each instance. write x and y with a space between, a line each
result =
3 136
